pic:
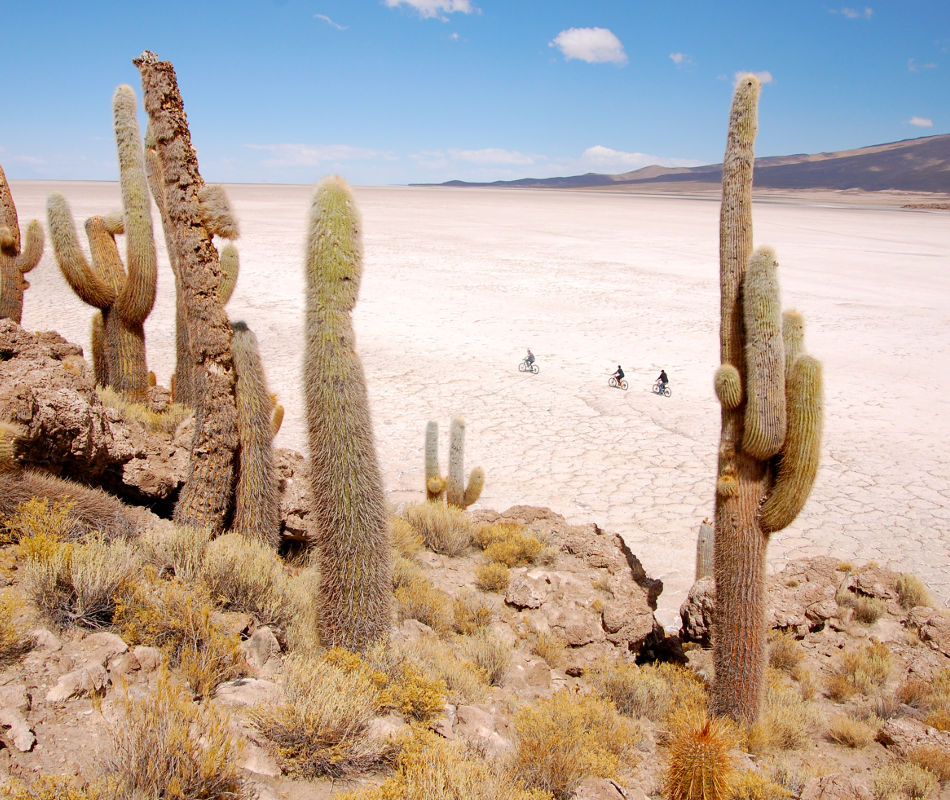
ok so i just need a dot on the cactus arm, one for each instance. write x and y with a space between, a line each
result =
793 337
798 461
435 484
83 279
230 266
473 490
764 429
137 297
455 489
352 536
33 249
276 419
216 213
8 217
728 386
100 353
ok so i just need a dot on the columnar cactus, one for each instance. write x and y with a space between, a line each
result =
771 425
352 538
700 765
15 260
451 486
206 496
256 501
124 296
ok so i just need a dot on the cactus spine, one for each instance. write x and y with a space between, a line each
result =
123 296
206 496
256 503
770 438
452 486
15 260
352 538
700 764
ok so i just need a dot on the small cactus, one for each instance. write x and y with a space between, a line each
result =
705 542
16 259
452 486
700 765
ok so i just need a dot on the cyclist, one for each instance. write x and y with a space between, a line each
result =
618 375
529 358
662 380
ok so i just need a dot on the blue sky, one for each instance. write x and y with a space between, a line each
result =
400 91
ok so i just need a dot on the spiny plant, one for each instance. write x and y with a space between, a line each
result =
16 256
700 765
256 497
206 496
124 297
451 486
352 538
771 398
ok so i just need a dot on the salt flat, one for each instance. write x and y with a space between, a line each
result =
458 283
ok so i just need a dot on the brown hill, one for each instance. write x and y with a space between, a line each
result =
911 165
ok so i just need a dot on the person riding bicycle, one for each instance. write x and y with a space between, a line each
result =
529 359
662 380
618 375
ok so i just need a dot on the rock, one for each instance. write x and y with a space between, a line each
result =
696 612
903 734
262 651
531 678
45 640
478 726
600 789
138 663
386 728
577 625
837 787
18 731
258 761
149 658
84 680
802 596
98 648
15 696
529 589
932 626
246 692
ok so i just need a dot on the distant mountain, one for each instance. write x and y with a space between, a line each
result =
911 165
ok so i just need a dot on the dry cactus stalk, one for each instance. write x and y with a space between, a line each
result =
352 537
15 261
256 498
206 496
452 486
771 426
124 297
705 542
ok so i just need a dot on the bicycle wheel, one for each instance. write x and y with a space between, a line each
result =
656 388
522 367
535 369
623 385
666 391
612 381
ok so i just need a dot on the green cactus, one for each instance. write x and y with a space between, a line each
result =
206 496
451 486
771 426
352 537
793 337
15 261
705 542
256 497
124 297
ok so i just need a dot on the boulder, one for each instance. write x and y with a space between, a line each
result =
932 626
246 692
16 730
696 612
903 734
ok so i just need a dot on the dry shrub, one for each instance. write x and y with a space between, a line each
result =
851 732
939 719
785 722
933 758
491 653
785 651
904 780
429 767
178 619
56 787
464 682
15 639
444 528
666 694
420 599
76 583
36 519
550 646
322 727
700 762
865 671
562 739
404 539
405 570
492 577
752 785
415 694
177 552
913 691
508 544
303 633
868 610
470 614
167 746
806 681
156 421
911 591
246 575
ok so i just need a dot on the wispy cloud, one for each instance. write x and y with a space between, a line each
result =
606 159
486 155
854 13
593 45
330 22
914 66
306 155
682 59
764 76
435 8
921 122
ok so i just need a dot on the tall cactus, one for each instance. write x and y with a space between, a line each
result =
15 260
771 425
206 496
123 296
352 538
451 486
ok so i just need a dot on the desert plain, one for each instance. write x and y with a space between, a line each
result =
459 282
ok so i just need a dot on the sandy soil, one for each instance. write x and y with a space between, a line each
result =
459 282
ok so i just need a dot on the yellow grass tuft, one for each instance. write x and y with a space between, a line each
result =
492 577
178 552
490 653
404 539
158 422
911 591
444 528
900 780
470 614
752 785
932 758
851 732
550 646
785 651
868 610
420 599
15 640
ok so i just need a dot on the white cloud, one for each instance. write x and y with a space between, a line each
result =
487 155
921 122
454 37
606 159
330 22
34 161
593 45
435 8
913 66
305 155
764 76
682 60
854 13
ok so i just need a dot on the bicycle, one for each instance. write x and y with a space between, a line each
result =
528 366
665 392
613 382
